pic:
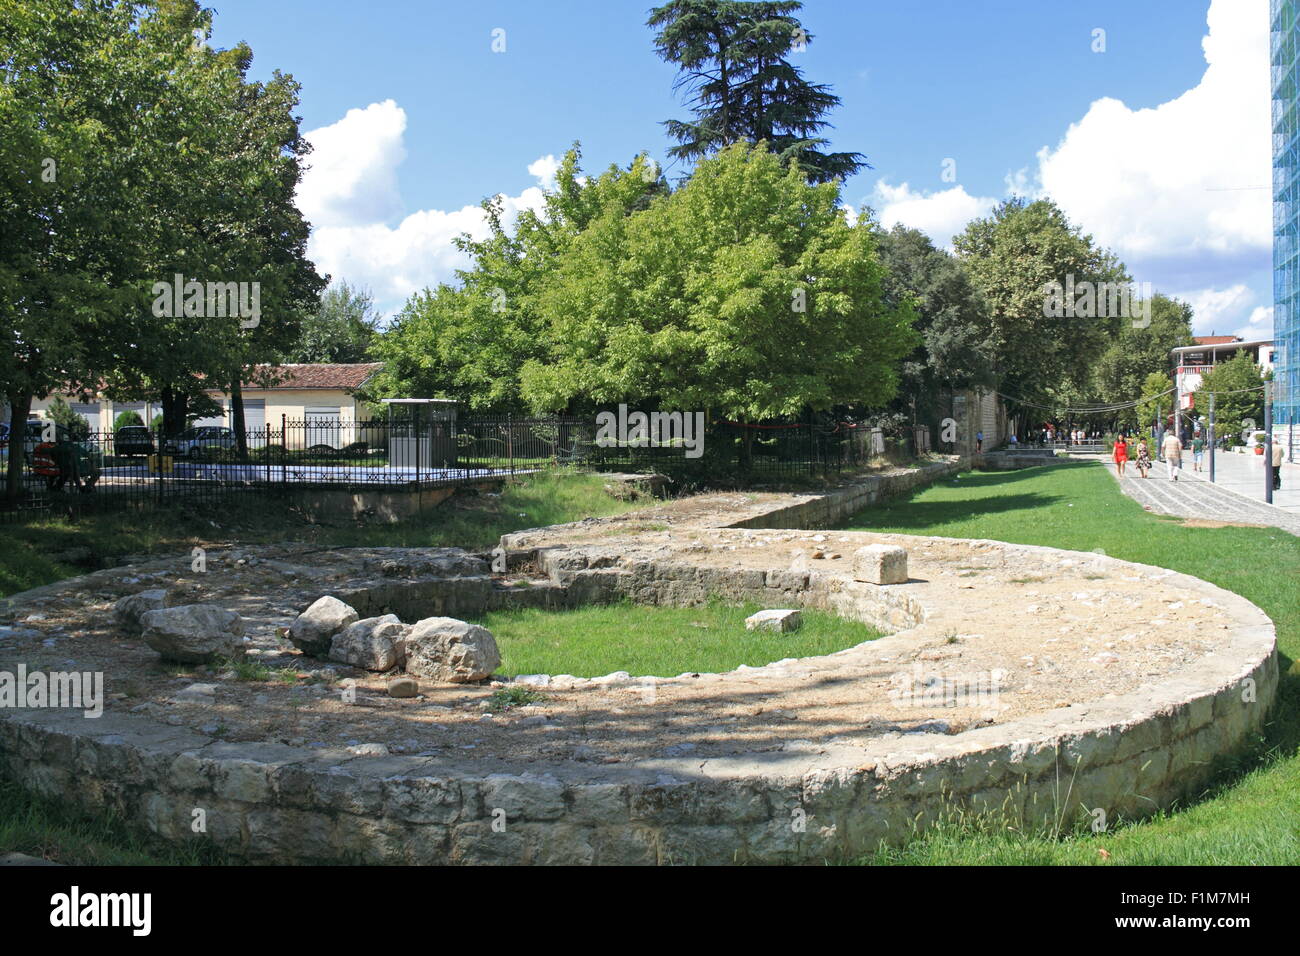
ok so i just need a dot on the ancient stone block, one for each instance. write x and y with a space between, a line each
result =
880 564
774 620
194 633
314 629
445 649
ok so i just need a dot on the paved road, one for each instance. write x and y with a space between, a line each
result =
1192 495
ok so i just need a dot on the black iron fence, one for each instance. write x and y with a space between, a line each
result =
63 470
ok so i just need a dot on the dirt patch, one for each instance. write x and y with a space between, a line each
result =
1045 629
1212 523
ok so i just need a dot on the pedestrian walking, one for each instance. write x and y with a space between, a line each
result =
1143 460
1198 452
1172 449
1277 462
1121 455
979 441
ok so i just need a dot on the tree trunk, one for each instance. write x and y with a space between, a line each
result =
20 406
237 416
174 407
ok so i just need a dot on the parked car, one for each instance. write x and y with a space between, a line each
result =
201 441
132 440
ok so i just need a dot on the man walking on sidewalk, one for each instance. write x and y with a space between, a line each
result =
1172 448
1277 462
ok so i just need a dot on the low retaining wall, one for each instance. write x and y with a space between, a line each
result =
387 505
829 509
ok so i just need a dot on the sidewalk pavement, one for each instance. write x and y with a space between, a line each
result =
1193 496
1244 474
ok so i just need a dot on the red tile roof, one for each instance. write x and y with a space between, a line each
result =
1215 339
347 377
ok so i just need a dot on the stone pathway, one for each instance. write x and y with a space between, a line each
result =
1193 496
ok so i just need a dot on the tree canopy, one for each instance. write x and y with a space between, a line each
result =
952 319
133 153
733 58
469 341
1238 395
745 291
342 329
1013 256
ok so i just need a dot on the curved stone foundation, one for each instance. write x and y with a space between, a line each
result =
797 795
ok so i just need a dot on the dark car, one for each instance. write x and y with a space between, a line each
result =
132 440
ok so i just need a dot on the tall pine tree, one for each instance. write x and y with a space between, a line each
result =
733 61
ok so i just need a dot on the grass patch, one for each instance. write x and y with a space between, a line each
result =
52 831
508 697
251 670
50 550
1250 816
657 641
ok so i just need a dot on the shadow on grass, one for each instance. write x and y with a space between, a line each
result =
923 515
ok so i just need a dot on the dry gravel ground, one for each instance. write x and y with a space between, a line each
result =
1045 629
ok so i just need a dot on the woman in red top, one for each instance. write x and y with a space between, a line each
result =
1121 455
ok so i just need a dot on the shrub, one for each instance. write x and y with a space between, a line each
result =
61 413
127 418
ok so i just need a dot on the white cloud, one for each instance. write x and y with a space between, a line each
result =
1218 311
1234 310
1163 187
1259 326
351 196
939 214
352 179
1167 188
544 168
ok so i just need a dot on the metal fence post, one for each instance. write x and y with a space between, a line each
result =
416 420
158 462
284 444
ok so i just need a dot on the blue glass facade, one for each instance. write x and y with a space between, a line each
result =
1285 46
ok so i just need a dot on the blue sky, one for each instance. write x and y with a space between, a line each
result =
1139 143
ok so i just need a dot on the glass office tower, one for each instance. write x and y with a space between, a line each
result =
1286 208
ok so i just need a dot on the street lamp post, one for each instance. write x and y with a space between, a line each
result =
1268 442
1209 437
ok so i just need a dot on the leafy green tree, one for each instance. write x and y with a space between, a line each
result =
733 58
951 318
133 153
744 292
470 341
127 418
342 329
1237 385
1137 352
1013 256
80 109
1156 405
219 209
61 413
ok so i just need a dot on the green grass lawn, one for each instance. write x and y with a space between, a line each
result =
657 641
1249 817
